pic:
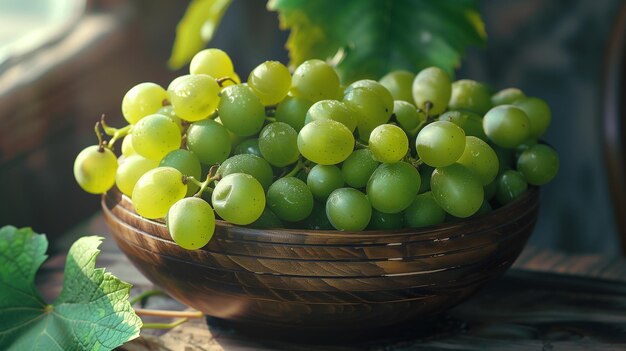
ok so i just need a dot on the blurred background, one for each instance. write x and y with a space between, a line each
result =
63 63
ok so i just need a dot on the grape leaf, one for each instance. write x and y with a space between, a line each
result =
369 38
91 313
196 29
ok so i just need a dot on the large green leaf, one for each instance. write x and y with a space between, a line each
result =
92 312
196 29
368 38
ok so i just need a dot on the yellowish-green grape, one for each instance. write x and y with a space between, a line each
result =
507 96
399 85
213 62
129 172
457 190
409 118
127 146
157 190
332 109
191 223
239 198
209 140
278 144
94 169
432 90
538 113
141 100
440 143
292 110
481 159
470 95
168 111
315 80
388 143
154 136
507 126
241 111
187 163
194 97
270 81
348 209
325 142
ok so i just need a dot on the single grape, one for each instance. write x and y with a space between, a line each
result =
267 220
383 94
187 163
506 96
358 168
168 111
191 223
538 113
270 81
388 143
241 111
209 140
248 146
248 164
399 84
457 190
154 136
371 109
239 198
511 184
440 143
325 142
213 62
290 199
323 180
95 168
127 146
470 95
506 126
480 158
292 110
129 172
392 187
315 80
470 122
348 209
409 118
432 90
278 144
157 190
385 221
424 211
142 100
194 97
538 164
332 109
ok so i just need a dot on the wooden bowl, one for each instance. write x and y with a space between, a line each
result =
326 280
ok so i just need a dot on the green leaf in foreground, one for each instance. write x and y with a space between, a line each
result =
377 36
196 29
92 312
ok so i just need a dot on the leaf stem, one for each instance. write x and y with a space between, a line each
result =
174 324
145 295
168 314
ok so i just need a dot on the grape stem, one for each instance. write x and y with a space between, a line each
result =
415 162
221 81
359 145
172 325
143 297
101 143
115 133
119 133
295 169
168 314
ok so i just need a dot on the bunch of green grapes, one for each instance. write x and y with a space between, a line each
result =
298 149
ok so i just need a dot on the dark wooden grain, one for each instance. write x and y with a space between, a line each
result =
326 280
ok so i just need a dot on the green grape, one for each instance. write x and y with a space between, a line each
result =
325 142
194 97
470 95
506 126
371 110
278 144
248 164
213 62
154 136
239 198
270 81
426 172
241 111
348 209
383 94
538 113
209 140
323 180
187 163
129 172
408 117
511 184
470 122
480 158
157 190
388 143
142 100
332 109
168 111
432 90
358 168
317 220
315 80
292 110
399 84
95 168
457 190
127 146
423 212
248 146
392 187
506 96
538 164
191 223
440 143
267 220
290 199
385 221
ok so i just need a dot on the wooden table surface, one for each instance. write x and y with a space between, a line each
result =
547 301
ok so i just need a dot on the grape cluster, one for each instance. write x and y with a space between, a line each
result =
300 150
